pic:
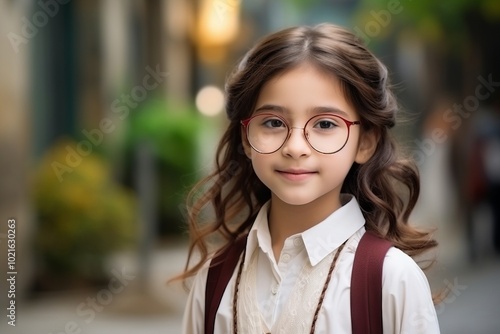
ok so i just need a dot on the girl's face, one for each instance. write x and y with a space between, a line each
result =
296 173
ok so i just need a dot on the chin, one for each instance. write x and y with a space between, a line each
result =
295 200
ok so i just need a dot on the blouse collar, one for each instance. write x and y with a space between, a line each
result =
319 240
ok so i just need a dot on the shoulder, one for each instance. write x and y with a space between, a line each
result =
406 296
198 282
404 284
194 313
399 268
197 287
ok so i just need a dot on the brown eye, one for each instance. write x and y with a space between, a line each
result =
274 123
325 125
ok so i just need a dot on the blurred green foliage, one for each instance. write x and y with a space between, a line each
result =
81 218
172 132
302 4
433 20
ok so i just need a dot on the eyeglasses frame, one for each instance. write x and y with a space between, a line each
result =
247 121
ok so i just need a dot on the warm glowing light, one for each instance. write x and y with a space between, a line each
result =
210 100
218 22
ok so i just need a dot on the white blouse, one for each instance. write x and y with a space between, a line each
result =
407 305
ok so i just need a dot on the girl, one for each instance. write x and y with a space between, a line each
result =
305 167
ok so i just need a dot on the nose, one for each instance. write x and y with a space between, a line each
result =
296 145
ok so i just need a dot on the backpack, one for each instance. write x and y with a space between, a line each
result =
366 282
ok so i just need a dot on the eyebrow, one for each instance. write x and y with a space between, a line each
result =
316 110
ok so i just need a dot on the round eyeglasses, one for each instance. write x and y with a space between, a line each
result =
325 133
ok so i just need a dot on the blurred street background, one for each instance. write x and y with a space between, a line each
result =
111 109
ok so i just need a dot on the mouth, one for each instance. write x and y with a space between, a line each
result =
296 174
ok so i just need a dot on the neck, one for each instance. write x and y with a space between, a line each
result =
286 220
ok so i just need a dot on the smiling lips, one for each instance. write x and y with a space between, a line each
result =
296 174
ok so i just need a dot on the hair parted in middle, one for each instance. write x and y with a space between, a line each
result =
233 190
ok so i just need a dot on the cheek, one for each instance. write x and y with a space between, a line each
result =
262 165
258 161
350 150
339 163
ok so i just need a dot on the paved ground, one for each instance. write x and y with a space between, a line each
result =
121 311
472 306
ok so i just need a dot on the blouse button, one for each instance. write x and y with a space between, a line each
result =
285 258
274 289
296 241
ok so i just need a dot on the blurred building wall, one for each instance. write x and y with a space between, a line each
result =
15 142
62 66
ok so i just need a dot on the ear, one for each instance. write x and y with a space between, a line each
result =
366 147
246 145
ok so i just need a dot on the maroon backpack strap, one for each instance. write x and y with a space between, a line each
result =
221 269
366 284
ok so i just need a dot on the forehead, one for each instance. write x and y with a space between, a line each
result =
303 90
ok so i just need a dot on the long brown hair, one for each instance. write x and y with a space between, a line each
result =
232 195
